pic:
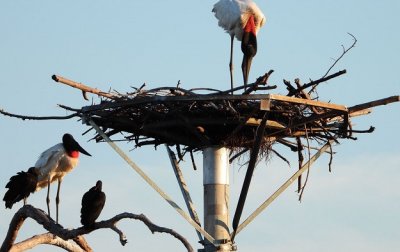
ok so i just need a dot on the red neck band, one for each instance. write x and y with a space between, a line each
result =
250 25
73 154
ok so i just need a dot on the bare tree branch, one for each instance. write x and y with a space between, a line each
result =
49 224
83 87
38 117
337 60
343 53
46 238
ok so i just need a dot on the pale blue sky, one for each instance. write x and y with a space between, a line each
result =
123 43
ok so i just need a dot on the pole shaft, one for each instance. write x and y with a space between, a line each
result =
216 197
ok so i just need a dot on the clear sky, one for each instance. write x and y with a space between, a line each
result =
118 44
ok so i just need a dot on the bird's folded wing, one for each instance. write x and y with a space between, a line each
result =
49 159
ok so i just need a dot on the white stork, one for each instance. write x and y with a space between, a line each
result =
241 19
54 163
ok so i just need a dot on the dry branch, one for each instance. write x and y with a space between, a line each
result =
49 224
343 53
375 103
83 87
49 239
316 82
3 112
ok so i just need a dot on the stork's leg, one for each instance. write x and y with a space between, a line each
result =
231 64
24 201
48 196
58 198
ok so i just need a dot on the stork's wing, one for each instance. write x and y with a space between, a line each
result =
49 159
232 15
228 14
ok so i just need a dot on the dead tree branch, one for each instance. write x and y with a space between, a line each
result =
3 112
316 82
308 169
83 87
262 80
46 238
375 103
345 50
343 53
63 234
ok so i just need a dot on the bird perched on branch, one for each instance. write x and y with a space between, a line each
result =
92 203
241 19
20 186
56 162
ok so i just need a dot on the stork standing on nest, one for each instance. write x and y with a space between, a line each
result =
56 162
241 19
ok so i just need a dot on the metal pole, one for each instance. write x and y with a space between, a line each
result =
216 198
184 189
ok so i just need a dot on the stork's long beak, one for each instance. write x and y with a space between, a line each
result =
82 150
71 144
249 49
246 65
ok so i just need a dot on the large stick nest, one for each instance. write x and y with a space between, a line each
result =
172 115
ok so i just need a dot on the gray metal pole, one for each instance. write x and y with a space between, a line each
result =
216 198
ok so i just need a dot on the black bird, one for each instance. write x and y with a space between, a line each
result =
20 186
92 203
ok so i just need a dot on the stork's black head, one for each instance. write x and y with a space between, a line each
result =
71 145
249 47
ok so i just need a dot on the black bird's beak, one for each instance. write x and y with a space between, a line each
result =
82 150
71 144
246 65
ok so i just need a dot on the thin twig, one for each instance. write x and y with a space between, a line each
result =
23 117
192 158
308 169
341 56
281 156
330 157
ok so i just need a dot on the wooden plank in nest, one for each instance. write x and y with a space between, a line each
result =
307 102
270 123
265 104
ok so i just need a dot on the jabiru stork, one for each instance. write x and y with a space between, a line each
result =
92 203
241 19
56 162
20 186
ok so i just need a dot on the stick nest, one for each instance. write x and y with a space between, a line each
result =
175 116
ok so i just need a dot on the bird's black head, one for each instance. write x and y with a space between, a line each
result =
71 145
99 185
33 171
249 47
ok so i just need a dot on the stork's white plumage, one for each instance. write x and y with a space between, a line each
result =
56 162
233 15
53 164
241 19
